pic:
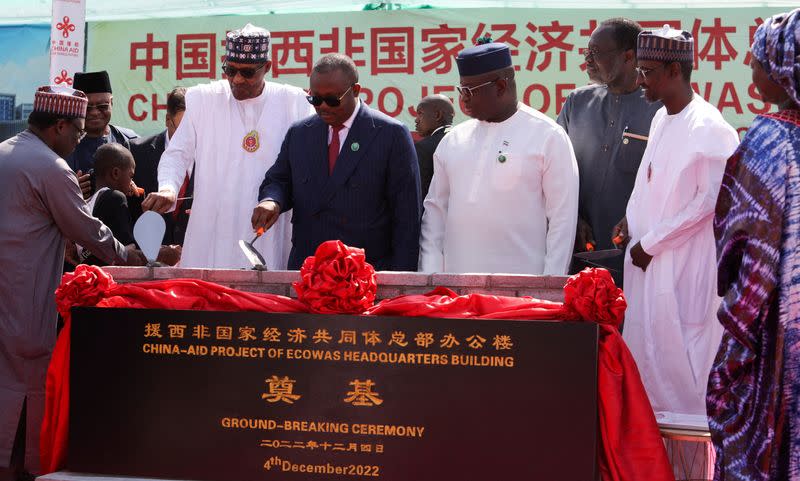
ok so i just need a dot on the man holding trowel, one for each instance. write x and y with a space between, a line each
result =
231 132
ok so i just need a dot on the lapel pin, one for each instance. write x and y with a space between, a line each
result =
501 158
354 146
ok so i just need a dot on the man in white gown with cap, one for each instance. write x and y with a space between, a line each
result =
232 131
504 193
670 267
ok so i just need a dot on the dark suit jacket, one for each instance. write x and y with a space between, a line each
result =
147 153
371 201
425 149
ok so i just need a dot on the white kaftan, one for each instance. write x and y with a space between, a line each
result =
504 198
670 325
227 177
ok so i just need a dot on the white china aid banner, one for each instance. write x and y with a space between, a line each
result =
67 35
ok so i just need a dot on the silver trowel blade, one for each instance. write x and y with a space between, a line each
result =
253 256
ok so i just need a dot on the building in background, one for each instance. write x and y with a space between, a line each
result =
23 111
7 103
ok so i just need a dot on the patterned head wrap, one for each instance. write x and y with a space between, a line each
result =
776 46
249 44
665 45
60 100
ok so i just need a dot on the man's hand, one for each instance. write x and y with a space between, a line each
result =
169 255
71 253
584 235
265 214
640 258
134 190
135 256
85 181
619 235
161 201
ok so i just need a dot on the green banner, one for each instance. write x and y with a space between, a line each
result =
404 55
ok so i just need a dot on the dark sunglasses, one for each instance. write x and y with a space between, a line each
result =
332 101
244 72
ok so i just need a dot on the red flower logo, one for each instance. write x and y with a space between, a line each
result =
64 78
592 296
84 287
337 279
66 27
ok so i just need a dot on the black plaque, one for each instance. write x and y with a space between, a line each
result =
224 396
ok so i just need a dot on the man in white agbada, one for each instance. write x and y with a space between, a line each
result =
232 131
670 267
504 194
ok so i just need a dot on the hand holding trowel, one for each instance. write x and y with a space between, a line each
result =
592 254
252 254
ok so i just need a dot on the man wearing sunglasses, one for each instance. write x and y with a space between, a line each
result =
349 173
504 194
99 130
607 123
231 132
671 263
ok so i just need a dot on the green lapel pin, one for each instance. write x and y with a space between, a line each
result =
501 158
354 146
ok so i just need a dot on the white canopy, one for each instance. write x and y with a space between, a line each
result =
39 11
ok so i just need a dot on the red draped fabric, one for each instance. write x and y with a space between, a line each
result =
630 447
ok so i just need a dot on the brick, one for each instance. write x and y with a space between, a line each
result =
517 280
280 277
489 292
415 290
388 292
129 274
556 295
555 282
389 278
279 289
178 273
459 280
233 276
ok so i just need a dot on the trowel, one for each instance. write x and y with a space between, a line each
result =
148 233
253 256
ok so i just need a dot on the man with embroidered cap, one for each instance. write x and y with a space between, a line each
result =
99 130
348 173
231 132
670 264
504 194
607 122
40 207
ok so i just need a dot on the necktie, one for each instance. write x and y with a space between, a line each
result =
333 148
181 193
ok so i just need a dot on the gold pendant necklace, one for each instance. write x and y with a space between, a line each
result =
250 142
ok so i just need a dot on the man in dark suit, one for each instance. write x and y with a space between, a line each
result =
147 152
349 173
434 118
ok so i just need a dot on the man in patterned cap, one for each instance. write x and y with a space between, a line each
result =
40 206
670 264
504 194
232 132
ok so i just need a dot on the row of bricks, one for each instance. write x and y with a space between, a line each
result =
390 284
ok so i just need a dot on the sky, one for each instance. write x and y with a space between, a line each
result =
24 60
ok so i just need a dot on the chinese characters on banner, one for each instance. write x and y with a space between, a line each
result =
403 56
67 34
